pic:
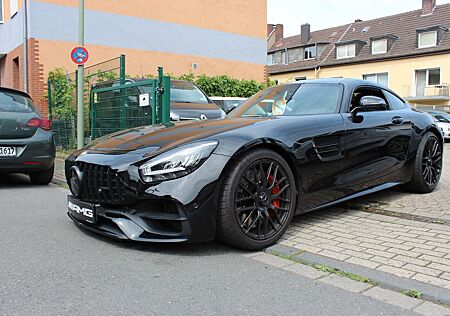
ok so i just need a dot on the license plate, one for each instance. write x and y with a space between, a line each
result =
81 210
7 151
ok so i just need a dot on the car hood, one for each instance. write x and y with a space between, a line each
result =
150 140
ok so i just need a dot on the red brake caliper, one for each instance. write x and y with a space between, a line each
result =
275 190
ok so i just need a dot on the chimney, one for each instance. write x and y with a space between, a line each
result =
270 28
428 6
279 33
305 34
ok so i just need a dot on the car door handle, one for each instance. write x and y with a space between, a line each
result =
397 120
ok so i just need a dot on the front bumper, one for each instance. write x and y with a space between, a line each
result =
179 210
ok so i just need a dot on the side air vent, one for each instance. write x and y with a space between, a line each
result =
328 147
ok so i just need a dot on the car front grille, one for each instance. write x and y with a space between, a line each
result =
101 184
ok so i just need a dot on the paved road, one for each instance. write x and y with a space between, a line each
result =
48 266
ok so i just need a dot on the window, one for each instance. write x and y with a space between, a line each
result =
379 46
310 52
293 100
270 59
426 78
394 102
13 7
346 51
284 57
381 78
427 39
1 11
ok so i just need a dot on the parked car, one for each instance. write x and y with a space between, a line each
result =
228 104
26 139
288 150
187 101
443 121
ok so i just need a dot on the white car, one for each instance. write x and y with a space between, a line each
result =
228 104
443 121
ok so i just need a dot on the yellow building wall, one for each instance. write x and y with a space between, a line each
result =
401 72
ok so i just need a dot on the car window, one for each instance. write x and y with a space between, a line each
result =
441 118
186 92
394 102
293 100
15 102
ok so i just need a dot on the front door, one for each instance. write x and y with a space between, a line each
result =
376 146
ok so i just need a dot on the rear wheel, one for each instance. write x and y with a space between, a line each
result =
257 202
427 166
42 177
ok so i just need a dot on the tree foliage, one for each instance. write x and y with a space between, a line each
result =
62 96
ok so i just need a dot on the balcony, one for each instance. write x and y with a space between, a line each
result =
438 93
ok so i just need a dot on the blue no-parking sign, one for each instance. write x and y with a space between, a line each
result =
79 55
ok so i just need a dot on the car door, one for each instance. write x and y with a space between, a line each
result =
376 145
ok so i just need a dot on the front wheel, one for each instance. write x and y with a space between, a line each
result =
427 166
257 201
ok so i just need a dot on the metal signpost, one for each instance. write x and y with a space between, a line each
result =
79 56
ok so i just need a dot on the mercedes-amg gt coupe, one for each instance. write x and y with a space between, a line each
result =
288 150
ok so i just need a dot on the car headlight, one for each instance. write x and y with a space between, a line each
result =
177 162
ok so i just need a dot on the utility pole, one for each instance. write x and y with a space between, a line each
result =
25 45
80 81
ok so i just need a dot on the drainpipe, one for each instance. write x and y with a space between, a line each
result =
25 45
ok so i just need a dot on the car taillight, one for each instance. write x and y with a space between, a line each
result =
41 122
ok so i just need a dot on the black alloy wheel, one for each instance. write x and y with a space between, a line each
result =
258 200
432 162
262 200
427 167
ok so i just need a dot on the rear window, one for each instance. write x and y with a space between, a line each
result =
15 102
186 92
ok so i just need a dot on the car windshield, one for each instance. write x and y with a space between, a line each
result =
442 117
15 102
293 100
186 92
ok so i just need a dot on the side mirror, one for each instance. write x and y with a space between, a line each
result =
372 103
368 104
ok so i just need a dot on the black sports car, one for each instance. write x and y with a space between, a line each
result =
288 150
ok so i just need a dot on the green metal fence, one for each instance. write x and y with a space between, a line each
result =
118 105
111 102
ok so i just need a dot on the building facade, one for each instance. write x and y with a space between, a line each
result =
408 52
200 36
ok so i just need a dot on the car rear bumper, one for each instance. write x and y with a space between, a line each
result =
36 153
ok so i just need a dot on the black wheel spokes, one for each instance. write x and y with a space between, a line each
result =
263 199
432 162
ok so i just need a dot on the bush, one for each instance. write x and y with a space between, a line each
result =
224 86
62 94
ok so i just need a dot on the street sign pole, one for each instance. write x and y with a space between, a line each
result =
80 81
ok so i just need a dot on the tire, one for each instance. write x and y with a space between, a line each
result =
427 167
42 177
250 204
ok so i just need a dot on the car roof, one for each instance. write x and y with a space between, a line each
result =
347 82
2 89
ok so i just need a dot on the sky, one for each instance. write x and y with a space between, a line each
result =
328 13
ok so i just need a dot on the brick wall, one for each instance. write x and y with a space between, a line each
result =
12 77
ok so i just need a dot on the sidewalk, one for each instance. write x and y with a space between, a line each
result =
59 177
